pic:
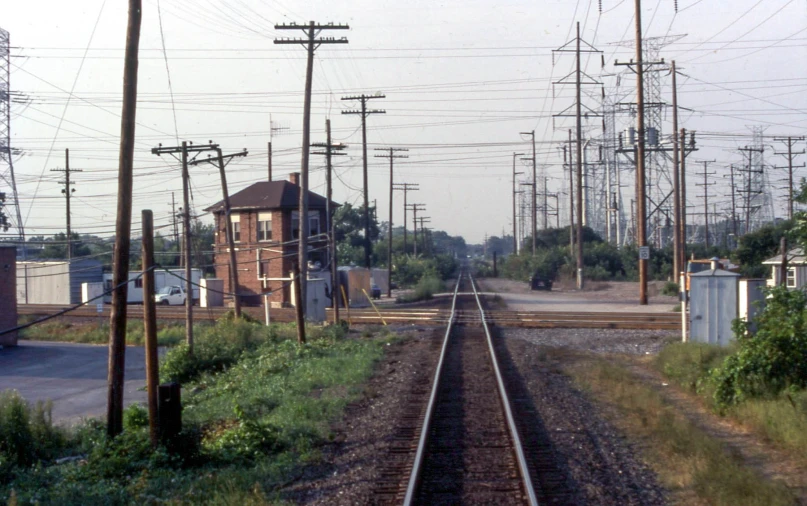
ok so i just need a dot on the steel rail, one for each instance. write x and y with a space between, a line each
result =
511 422
414 475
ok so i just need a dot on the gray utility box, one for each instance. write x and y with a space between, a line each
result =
714 304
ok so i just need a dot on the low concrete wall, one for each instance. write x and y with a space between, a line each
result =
8 294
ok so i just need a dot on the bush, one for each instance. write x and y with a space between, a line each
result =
135 417
27 434
690 364
424 290
772 360
671 289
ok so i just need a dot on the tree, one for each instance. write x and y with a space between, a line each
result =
349 234
759 245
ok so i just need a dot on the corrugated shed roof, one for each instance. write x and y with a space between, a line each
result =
794 257
270 195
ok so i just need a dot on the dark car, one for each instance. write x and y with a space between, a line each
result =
541 283
375 292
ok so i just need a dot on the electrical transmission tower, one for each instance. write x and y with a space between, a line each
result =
10 214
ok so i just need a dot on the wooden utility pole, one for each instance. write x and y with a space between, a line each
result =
677 268
571 196
150 324
515 235
364 112
67 191
783 263
123 226
423 220
641 185
683 190
235 287
298 309
392 156
790 154
706 184
331 150
415 208
182 153
311 42
406 188
174 219
269 161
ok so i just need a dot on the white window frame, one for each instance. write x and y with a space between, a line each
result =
264 218
235 222
313 217
791 277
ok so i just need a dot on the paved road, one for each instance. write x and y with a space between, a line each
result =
73 376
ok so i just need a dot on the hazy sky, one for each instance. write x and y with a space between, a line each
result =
462 79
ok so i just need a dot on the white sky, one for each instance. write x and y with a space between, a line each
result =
462 79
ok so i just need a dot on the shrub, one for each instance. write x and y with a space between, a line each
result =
670 288
424 290
27 434
772 360
135 417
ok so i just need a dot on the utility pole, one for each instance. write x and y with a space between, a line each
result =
578 73
272 130
423 221
535 189
683 190
311 42
392 156
181 153
677 268
641 200
67 191
123 226
364 112
228 226
515 238
406 188
790 141
733 203
571 196
415 208
706 184
331 150
174 219
150 324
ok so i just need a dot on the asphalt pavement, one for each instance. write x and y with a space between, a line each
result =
73 376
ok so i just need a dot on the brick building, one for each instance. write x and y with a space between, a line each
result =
8 294
265 228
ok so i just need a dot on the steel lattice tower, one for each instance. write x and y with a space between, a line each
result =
8 185
761 197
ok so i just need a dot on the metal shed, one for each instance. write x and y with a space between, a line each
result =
55 281
714 304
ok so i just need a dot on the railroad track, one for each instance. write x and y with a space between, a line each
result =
464 448
439 317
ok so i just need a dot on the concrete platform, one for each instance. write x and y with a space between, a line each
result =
73 376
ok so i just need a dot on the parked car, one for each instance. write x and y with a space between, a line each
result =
541 283
171 295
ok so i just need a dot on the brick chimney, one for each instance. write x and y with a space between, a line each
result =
294 178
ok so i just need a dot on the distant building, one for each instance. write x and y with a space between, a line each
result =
265 221
55 281
796 269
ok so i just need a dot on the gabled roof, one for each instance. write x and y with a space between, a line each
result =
270 195
794 257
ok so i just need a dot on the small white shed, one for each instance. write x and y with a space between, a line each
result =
796 269
714 304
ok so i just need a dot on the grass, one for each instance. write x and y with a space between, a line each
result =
688 461
168 334
781 420
250 425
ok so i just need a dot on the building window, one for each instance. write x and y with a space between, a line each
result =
235 221
313 224
138 283
791 277
264 226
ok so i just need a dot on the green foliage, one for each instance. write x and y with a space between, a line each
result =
425 289
135 417
757 246
168 334
27 434
690 364
409 270
670 288
771 360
